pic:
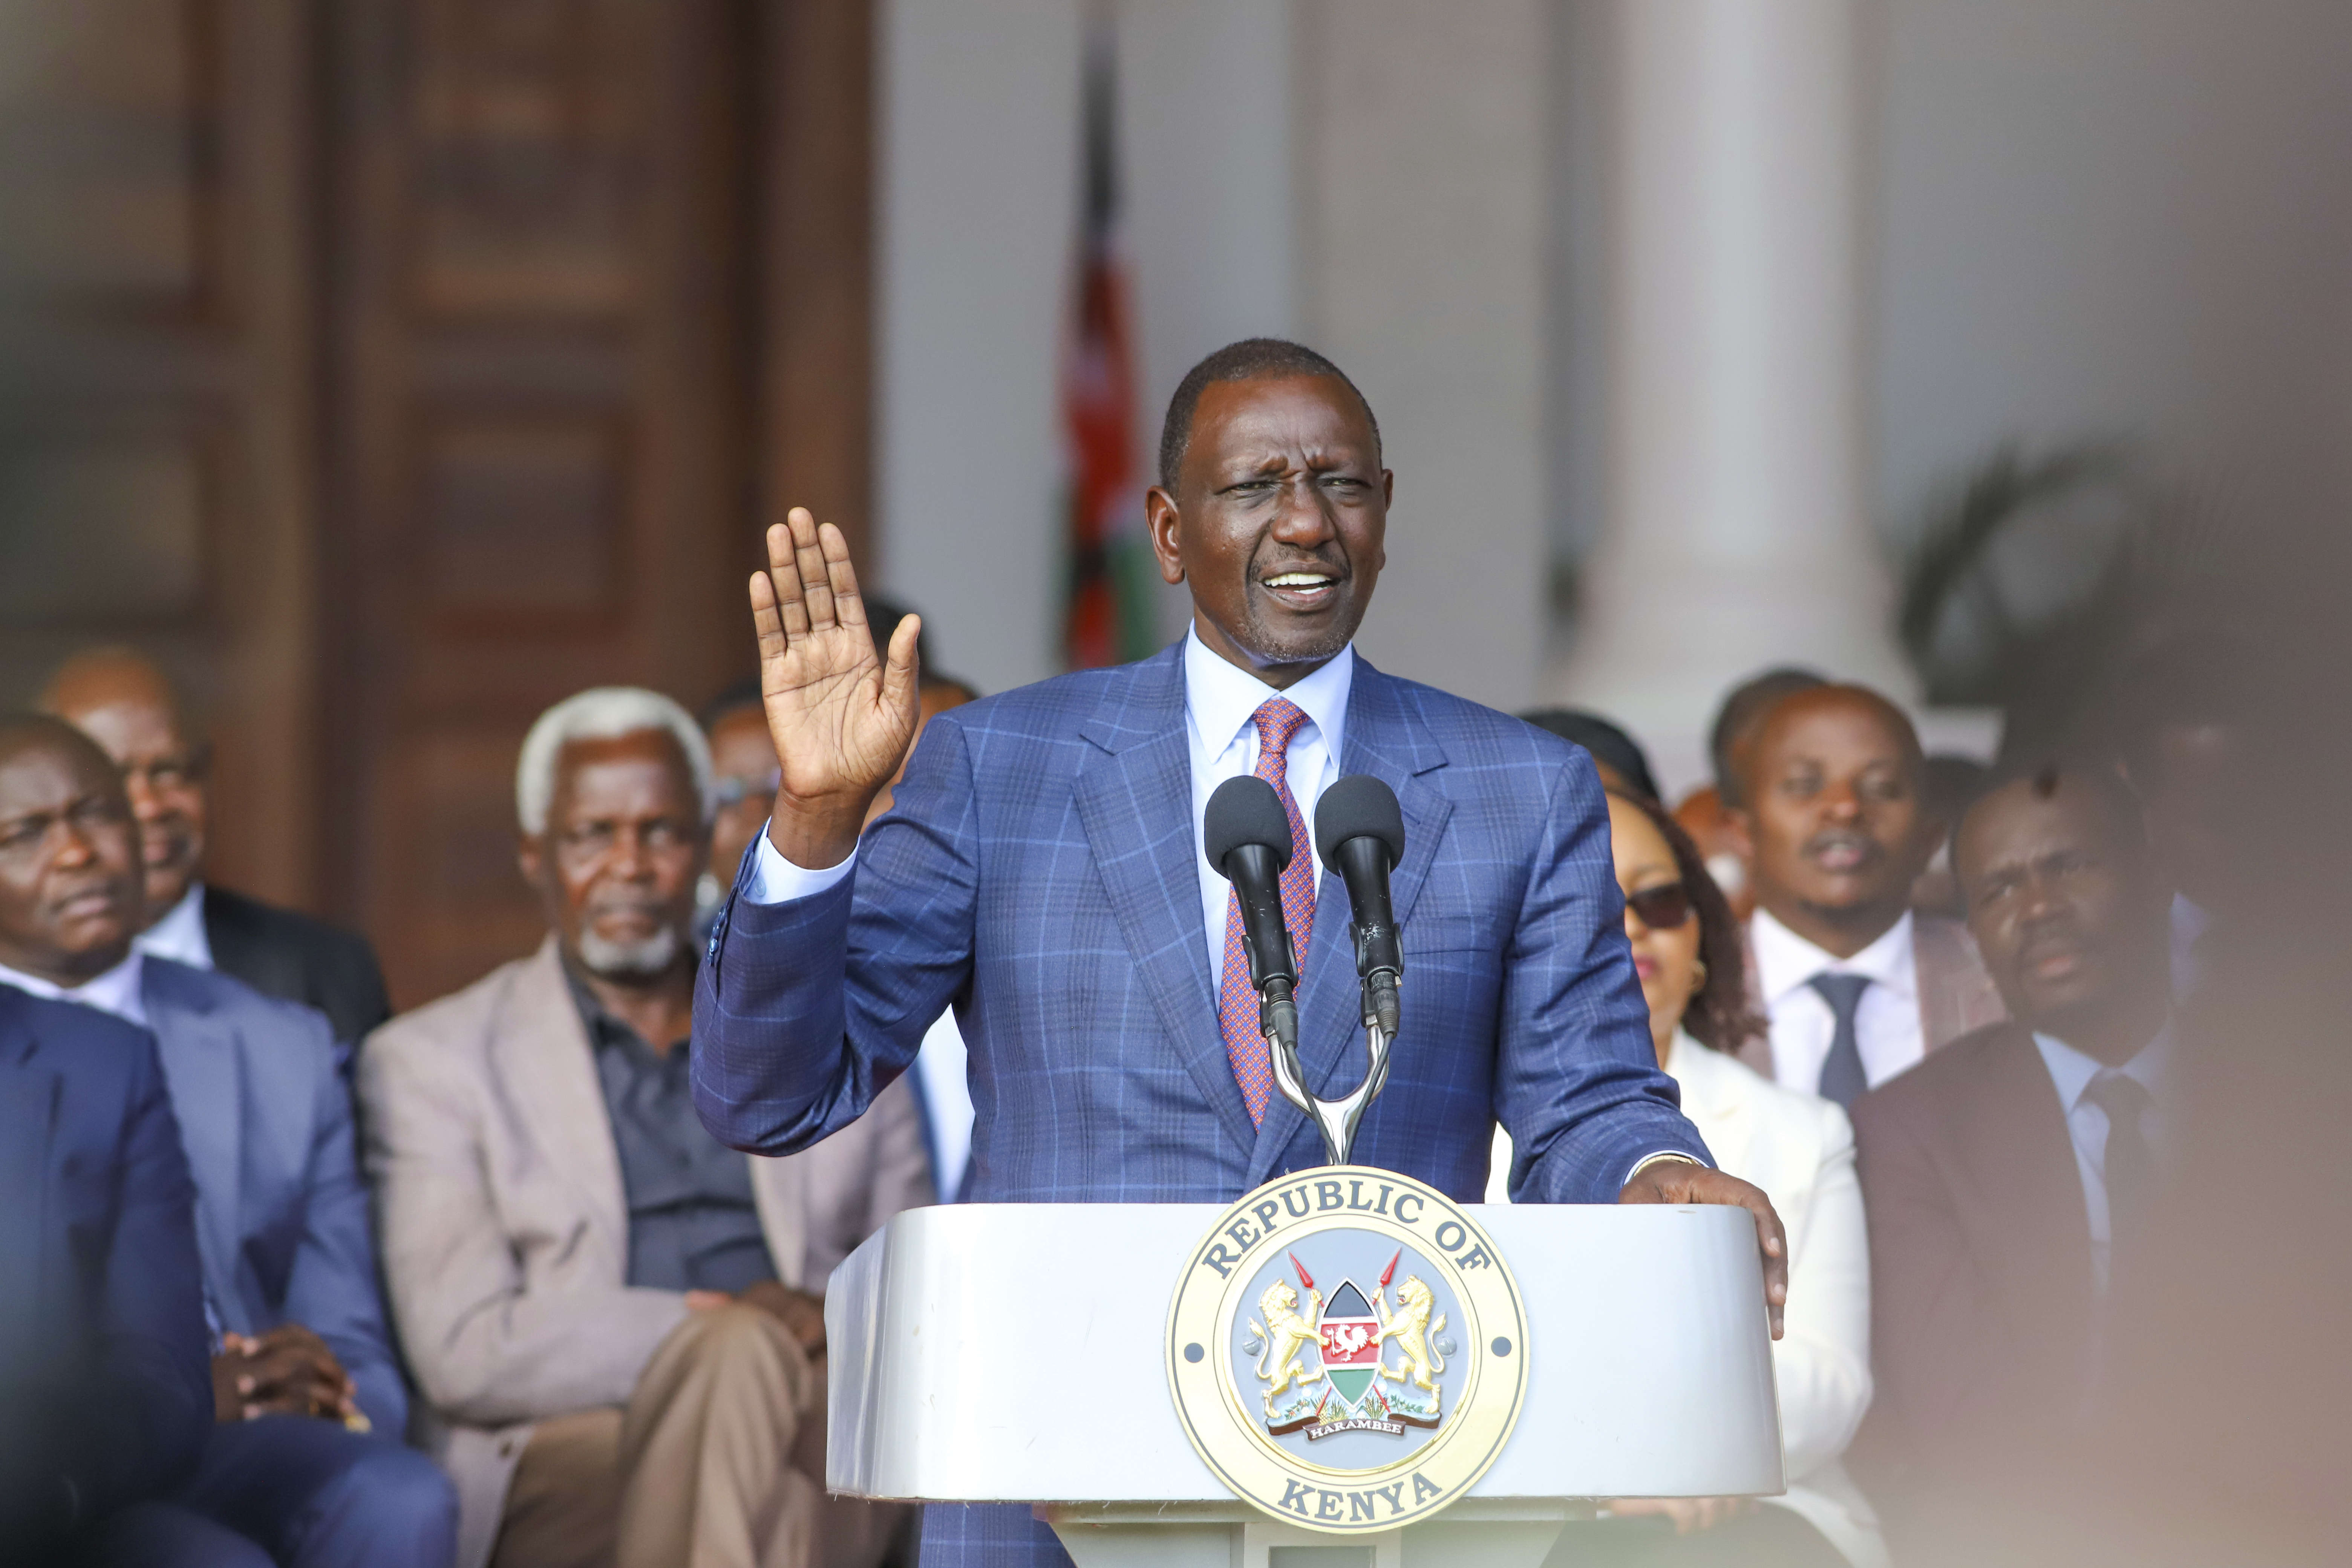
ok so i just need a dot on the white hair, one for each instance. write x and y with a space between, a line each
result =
602 713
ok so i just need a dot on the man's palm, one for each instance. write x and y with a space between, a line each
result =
840 716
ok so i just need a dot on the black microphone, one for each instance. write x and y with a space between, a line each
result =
1361 831
1246 835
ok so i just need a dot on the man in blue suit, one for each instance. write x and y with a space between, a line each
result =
1041 871
105 1401
304 1456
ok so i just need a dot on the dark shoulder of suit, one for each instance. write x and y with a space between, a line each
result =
1944 1085
292 955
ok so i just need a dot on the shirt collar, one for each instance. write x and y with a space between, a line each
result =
1220 698
1786 962
2072 1070
180 934
607 1029
117 991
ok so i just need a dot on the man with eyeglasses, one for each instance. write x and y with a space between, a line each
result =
129 707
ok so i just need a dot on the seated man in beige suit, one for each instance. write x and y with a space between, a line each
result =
614 1320
1836 829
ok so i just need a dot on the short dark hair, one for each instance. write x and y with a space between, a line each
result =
25 728
2115 798
1743 709
1608 742
1248 359
1718 1017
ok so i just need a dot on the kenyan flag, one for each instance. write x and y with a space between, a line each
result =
1352 1343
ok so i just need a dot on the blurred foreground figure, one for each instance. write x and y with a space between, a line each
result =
1800 1149
616 1320
128 706
105 1398
303 1368
1836 827
2012 1179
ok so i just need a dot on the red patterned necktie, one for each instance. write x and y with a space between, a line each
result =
1278 720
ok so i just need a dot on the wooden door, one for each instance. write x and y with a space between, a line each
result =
158 408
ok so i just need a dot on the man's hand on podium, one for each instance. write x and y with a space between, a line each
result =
840 716
1687 1181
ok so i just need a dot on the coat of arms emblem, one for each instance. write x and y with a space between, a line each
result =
1347 1350
1347 1383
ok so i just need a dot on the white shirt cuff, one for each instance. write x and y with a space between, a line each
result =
776 880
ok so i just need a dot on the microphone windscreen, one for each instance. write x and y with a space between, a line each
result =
1245 810
1357 805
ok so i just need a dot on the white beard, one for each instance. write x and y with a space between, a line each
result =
630 960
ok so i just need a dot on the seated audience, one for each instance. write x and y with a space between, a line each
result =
1799 1150
304 1457
1953 785
1836 828
2011 1178
1705 812
1617 757
616 1320
106 1399
121 700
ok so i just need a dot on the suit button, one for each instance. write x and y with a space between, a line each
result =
506 1447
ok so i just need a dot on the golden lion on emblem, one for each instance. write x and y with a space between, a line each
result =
1291 1333
1410 1330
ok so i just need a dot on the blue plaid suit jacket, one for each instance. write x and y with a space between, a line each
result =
1037 871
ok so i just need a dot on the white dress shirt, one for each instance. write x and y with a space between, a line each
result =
1219 699
115 992
1886 1024
180 934
2086 1126
942 1071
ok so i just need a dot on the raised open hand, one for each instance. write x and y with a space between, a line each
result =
841 717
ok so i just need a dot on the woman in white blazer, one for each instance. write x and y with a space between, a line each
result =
1799 1150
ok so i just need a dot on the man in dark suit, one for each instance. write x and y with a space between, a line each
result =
105 1400
2009 1178
1041 871
1836 828
128 705
304 1365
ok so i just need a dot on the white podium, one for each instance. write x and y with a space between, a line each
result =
975 1348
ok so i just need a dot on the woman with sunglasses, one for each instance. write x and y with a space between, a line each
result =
1688 952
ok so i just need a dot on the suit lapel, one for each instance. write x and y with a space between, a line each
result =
780 1192
2015 1149
1389 741
1135 802
30 1091
543 1051
206 1071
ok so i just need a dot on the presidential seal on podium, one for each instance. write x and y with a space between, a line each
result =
1347 1350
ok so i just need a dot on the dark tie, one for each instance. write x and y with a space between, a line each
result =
1278 720
1843 1079
2130 1168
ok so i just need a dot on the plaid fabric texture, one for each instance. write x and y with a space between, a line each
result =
1039 872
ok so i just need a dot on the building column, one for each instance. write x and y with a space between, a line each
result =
1734 531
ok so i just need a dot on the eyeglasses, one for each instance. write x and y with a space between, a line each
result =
1663 908
727 790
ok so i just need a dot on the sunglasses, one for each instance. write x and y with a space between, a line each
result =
1663 908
